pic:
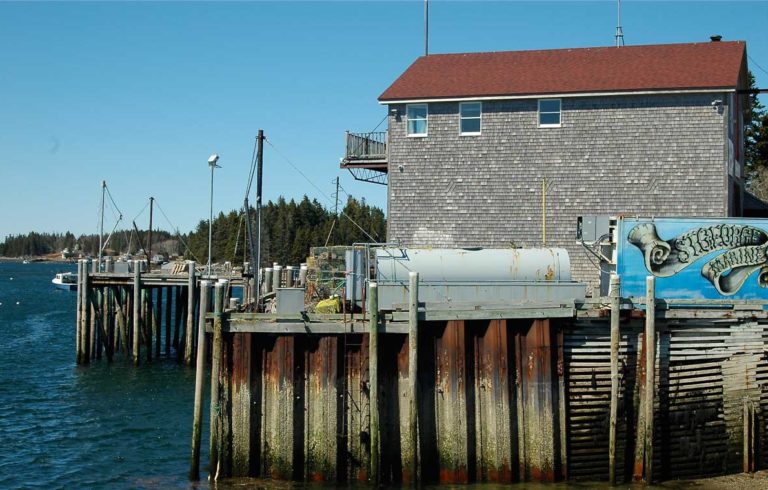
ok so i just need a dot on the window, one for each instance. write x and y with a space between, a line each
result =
416 116
549 113
469 115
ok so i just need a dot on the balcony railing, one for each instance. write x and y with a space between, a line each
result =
366 156
366 147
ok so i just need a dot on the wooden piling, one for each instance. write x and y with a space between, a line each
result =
85 342
78 322
168 319
614 407
650 371
157 321
413 352
189 337
146 315
136 311
197 416
217 350
373 377
91 345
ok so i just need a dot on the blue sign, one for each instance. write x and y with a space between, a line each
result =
694 258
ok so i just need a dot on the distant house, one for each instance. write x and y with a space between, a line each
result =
509 148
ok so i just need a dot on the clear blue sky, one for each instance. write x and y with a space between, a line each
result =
140 94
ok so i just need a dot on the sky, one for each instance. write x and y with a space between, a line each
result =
140 94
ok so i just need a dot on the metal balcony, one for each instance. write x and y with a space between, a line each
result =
366 156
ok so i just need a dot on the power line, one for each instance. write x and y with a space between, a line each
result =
756 64
318 189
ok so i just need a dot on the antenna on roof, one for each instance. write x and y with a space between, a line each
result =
426 27
619 33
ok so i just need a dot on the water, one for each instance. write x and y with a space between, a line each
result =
103 426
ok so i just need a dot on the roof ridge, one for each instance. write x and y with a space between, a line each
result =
587 48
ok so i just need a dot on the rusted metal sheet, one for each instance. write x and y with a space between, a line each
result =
393 408
537 422
495 432
356 435
279 369
322 411
246 404
451 403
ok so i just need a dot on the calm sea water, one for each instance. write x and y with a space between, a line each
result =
103 426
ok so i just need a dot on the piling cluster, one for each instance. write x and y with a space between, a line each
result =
136 315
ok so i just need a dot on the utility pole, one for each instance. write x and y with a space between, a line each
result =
149 238
257 257
336 196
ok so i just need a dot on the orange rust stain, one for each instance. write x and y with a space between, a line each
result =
454 476
542 475
500 475
550 274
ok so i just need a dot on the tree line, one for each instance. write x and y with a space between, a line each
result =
288 230
756 144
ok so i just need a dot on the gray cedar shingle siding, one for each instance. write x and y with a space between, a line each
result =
655 155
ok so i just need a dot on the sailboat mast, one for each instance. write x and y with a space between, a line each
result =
101 226
149 245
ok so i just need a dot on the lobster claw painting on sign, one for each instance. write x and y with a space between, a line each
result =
694 258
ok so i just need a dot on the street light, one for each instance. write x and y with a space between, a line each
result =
212 162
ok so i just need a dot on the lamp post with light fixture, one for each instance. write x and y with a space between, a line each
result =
212 162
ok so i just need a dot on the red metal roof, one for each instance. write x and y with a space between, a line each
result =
564 71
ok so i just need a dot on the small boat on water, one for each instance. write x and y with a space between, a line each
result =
65 280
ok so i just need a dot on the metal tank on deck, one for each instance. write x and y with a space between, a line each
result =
472 278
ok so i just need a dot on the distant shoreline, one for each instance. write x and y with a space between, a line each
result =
57 259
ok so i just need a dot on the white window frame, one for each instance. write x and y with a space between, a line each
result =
461 119
560 113
408 121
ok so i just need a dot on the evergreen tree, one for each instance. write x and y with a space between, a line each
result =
756 144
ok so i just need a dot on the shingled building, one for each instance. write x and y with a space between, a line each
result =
509 148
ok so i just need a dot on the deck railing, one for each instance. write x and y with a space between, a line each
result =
367 146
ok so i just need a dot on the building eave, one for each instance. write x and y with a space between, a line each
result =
558 95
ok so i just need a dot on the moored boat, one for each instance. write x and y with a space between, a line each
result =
65 280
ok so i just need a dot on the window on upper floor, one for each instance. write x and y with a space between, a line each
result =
470 115
549 113
416 119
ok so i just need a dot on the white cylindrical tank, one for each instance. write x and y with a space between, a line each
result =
471 265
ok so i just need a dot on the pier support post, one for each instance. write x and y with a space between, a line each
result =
190 336
79 321
168 319
614 295
136 311
146 316
217 353
197 416
157 319
92 339
650 372
413 352
86 339
373 376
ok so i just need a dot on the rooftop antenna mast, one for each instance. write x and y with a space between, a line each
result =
426 27
619 33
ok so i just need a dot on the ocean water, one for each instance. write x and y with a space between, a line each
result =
102 426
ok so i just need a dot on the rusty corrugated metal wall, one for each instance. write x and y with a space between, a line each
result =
297 406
